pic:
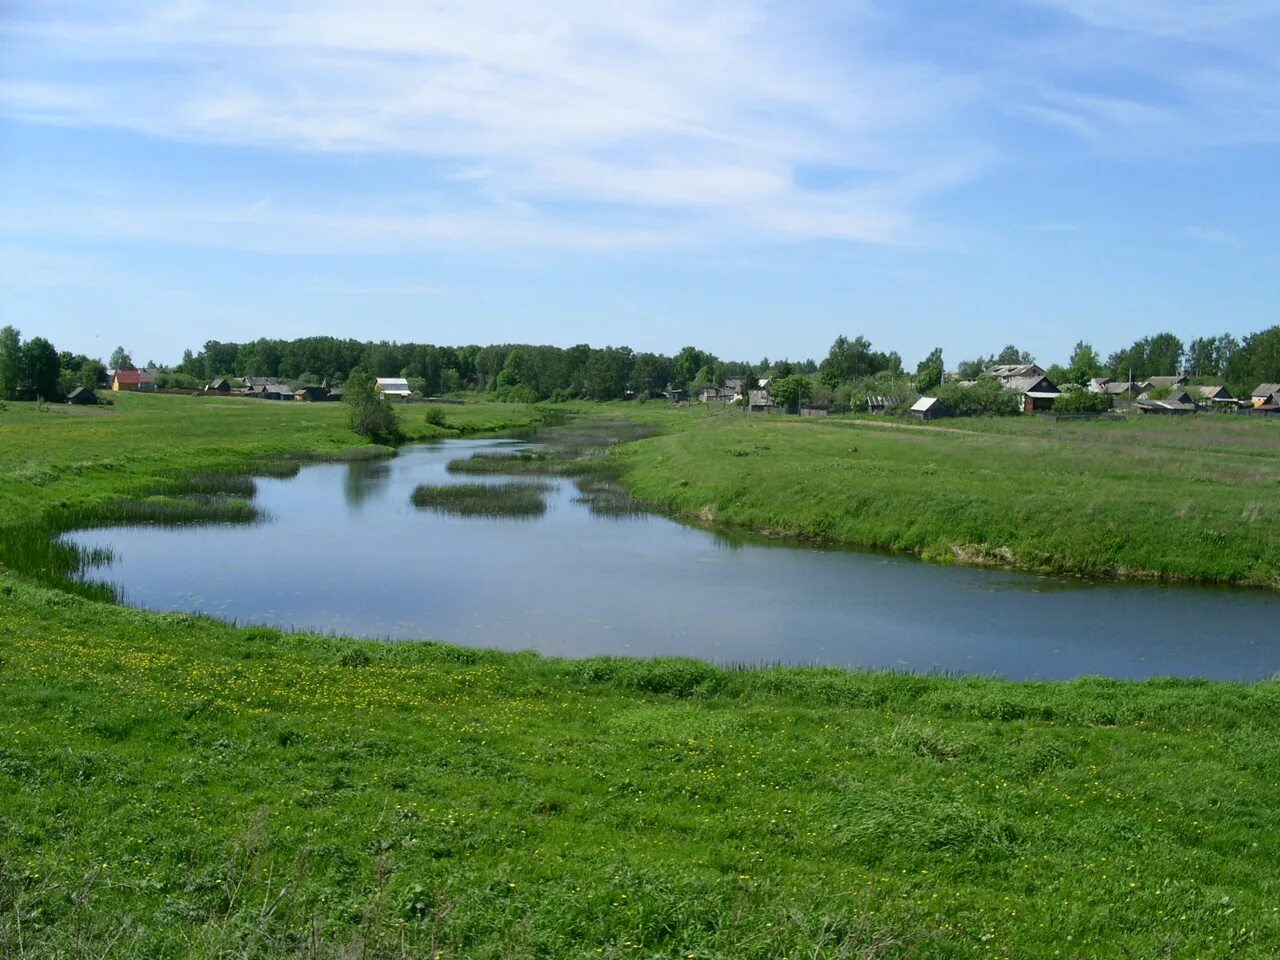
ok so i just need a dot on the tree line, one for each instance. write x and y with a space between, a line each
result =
35 370
852 370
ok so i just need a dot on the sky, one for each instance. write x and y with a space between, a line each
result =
753 178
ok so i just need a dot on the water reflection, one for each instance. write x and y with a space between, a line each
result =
362 560
364 479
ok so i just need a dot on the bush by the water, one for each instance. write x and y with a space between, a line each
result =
371 414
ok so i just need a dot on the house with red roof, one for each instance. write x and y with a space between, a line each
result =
132 380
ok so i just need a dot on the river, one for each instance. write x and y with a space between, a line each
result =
342 550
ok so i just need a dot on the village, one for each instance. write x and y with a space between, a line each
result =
1028 382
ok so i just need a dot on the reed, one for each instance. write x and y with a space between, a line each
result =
517 499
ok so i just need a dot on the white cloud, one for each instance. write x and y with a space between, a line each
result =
695 116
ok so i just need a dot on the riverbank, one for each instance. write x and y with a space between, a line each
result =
176 787
1171 500
178 458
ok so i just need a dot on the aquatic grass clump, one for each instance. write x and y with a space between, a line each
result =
484 499
37 552
604 496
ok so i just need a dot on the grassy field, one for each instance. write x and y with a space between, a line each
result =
174 787
171 786
1185 498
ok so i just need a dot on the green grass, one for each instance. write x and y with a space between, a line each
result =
1185 499
171 786
175 787
514 499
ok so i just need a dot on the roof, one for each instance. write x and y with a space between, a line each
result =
1035 385
396 385
1211 393
1117 387
1173 405
1167 381
925 404
79 392
1265 390
133 376
1006 371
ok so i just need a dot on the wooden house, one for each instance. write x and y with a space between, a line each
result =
396 387
311 394
132 381
82 396
1265 393
221 385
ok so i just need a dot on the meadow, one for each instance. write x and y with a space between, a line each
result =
1159 498
173 786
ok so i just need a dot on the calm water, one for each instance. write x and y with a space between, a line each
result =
344 551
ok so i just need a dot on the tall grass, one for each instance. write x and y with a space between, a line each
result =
484 500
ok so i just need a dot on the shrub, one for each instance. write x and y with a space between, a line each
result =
1082 401
371 414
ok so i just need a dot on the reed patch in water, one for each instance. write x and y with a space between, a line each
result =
484 499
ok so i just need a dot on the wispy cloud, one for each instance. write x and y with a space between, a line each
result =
697 115
1214 235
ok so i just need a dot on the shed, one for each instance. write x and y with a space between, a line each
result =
82 396
312 394
221 385
393 387
929 408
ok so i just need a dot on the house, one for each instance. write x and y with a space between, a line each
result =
929 408
132 381
312 394
396 387
1178 402
82 396
268 390
1265 393
1219 398
1159 383
759 401
1038 392
221 385
1118 388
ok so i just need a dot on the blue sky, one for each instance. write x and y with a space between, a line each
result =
753 178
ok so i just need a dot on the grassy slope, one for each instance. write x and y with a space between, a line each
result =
170 786
1180 498
197 790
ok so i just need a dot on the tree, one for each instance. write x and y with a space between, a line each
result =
11 363
1011 355
42 368
92 374
973 369
929 372
1256 361
1158 356
791 391
120 360
687 364
1085 364
371 414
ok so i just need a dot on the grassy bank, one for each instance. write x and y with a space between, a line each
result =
174 787
164 459
1150 498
